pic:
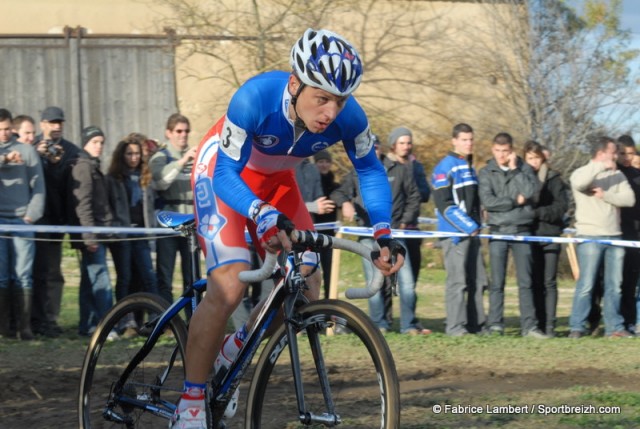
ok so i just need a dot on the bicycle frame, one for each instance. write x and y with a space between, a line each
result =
287 296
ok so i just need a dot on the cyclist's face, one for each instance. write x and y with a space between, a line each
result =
316 107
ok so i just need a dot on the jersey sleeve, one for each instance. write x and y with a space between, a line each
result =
374 185
235 148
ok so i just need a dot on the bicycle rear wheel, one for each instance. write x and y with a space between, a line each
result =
360 368
117 339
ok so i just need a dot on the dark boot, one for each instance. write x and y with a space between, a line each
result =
5 313
23 298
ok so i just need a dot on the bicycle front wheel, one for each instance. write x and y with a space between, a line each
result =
363 382
156 382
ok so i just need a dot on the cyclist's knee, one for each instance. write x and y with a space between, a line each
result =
224 290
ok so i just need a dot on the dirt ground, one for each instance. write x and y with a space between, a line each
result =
38 386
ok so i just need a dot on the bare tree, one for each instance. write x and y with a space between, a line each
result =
567 74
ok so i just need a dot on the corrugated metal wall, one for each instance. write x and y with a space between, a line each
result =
121 84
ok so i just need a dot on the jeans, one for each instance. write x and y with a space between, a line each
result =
466 275
498 253
95 297
167 249
590 257
406 290
16 256
132 260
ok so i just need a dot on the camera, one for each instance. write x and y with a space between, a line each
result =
53 150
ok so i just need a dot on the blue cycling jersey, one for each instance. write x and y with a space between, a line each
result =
258 134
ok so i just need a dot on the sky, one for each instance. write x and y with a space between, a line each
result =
630 19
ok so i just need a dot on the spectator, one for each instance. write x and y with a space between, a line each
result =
401 150
635 162
24 127
309 182
405 206
455 192
507 191
131 200
90 207
550 206
171 172
599 190
630 228
57 155
21 203
324 162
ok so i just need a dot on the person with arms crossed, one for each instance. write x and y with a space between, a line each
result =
244 176
599 190
455 192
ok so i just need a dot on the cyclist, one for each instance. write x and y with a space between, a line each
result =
244 177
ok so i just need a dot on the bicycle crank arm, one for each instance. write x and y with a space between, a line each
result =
329 420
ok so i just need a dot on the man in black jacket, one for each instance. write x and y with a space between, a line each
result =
507 188
57 155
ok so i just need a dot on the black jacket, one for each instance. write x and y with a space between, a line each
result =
89 197
552 204
630 216
498 192
405 195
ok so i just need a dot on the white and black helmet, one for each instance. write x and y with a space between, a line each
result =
322 59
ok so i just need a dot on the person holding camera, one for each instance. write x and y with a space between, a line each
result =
57 155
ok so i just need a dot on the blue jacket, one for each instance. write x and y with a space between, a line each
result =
455 193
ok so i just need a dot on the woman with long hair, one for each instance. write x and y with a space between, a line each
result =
132 203
550 209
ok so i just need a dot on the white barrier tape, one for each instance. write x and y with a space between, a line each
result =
432 221
398 233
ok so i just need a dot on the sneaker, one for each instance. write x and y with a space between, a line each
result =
189 418
575 335
113 335
621 334
496 330
417 331
537 334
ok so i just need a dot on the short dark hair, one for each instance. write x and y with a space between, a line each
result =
600 145
461 128
5 115
626 140
503 139
18 120
535 147
176 119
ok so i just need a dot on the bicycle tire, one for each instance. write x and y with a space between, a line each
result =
106 358
359 364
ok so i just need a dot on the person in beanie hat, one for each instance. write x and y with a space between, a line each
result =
400 150
89 206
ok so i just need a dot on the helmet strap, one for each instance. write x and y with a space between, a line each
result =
299 123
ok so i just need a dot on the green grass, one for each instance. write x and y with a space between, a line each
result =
437 369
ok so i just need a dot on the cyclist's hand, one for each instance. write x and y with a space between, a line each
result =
273 229
391 256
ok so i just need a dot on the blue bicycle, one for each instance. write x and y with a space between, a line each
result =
303 377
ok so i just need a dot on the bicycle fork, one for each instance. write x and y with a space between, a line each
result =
330 418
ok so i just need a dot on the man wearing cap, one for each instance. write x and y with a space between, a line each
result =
88 207
57 155
21 203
